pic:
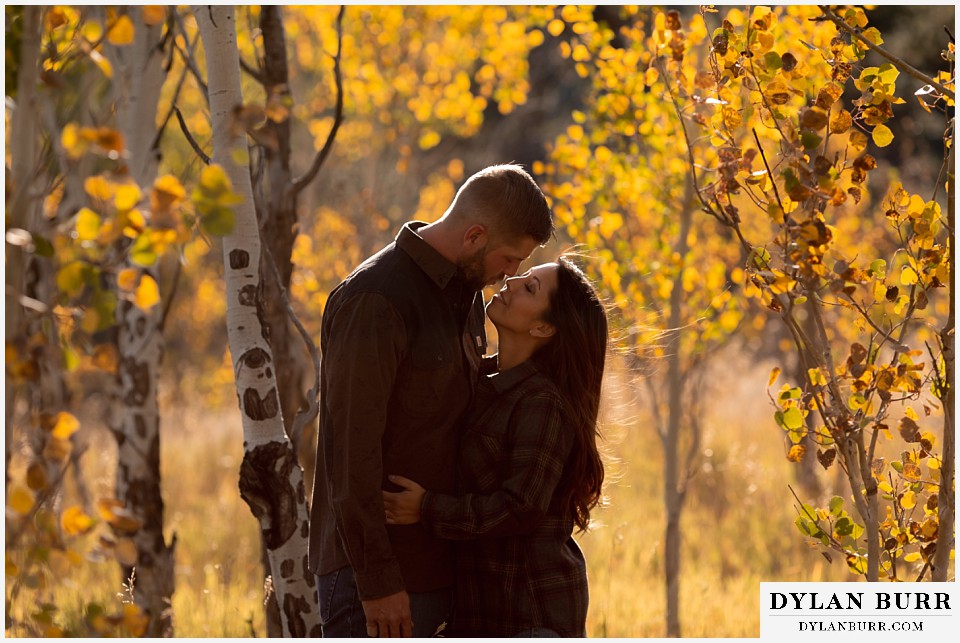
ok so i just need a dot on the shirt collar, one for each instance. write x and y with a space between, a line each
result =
439 269
505 380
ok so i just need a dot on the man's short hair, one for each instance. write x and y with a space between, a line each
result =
507 201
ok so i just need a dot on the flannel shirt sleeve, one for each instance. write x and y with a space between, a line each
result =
361 361
536 450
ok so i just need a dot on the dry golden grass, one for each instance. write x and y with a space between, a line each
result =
737 526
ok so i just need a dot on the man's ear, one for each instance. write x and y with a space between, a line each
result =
543 330
475 236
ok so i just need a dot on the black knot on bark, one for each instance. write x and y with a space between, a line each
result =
239 259
265 487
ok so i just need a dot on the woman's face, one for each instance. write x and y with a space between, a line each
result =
523 301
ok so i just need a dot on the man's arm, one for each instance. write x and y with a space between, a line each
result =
362 353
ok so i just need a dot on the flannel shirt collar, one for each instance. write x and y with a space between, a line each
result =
439 269
503 381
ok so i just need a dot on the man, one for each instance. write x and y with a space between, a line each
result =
402 339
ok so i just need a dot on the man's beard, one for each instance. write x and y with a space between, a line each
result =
471 269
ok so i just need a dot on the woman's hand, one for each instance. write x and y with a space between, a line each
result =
403 507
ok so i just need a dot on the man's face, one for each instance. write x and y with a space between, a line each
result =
491 263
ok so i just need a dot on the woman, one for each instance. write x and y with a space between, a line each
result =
529 468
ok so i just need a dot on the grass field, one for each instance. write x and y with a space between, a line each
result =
737 526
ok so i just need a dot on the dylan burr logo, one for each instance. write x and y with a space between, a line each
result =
875 608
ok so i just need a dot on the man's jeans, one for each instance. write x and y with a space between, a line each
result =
341 612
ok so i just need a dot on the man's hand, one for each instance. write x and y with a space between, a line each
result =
389 616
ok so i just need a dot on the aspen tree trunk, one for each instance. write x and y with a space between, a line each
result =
946 497
674 489
21 204
138 82
271 481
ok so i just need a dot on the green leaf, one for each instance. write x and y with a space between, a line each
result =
772 60
217 221
836 505
142 252
793 418
844 527
42 247
71 277
810 140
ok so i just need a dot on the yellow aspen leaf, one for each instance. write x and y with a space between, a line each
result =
774 374
430 138
127 279
912 557
575 132
929 528
134 223
170 187
610 223
911 471
135 620
556 27
933 464
127 196
908 500
148 293
782 284
885 487
126 552
75 522
98 188
56 17
20 500
70 139
841 122
88 224
882 136
858 140
66 425
121 31
153 14
908 276
796 453
651 76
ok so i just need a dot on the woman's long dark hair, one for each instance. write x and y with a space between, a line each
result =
574 361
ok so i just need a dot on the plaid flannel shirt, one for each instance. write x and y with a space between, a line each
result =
517 565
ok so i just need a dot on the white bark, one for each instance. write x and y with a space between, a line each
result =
138 79
270 478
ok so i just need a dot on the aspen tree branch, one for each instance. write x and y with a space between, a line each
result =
298 184
250 71
898 62
191 64
193 142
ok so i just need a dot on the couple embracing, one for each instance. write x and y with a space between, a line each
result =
449 484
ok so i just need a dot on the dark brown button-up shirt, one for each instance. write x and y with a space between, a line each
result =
402 337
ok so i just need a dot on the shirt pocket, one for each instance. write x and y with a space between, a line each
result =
428 375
